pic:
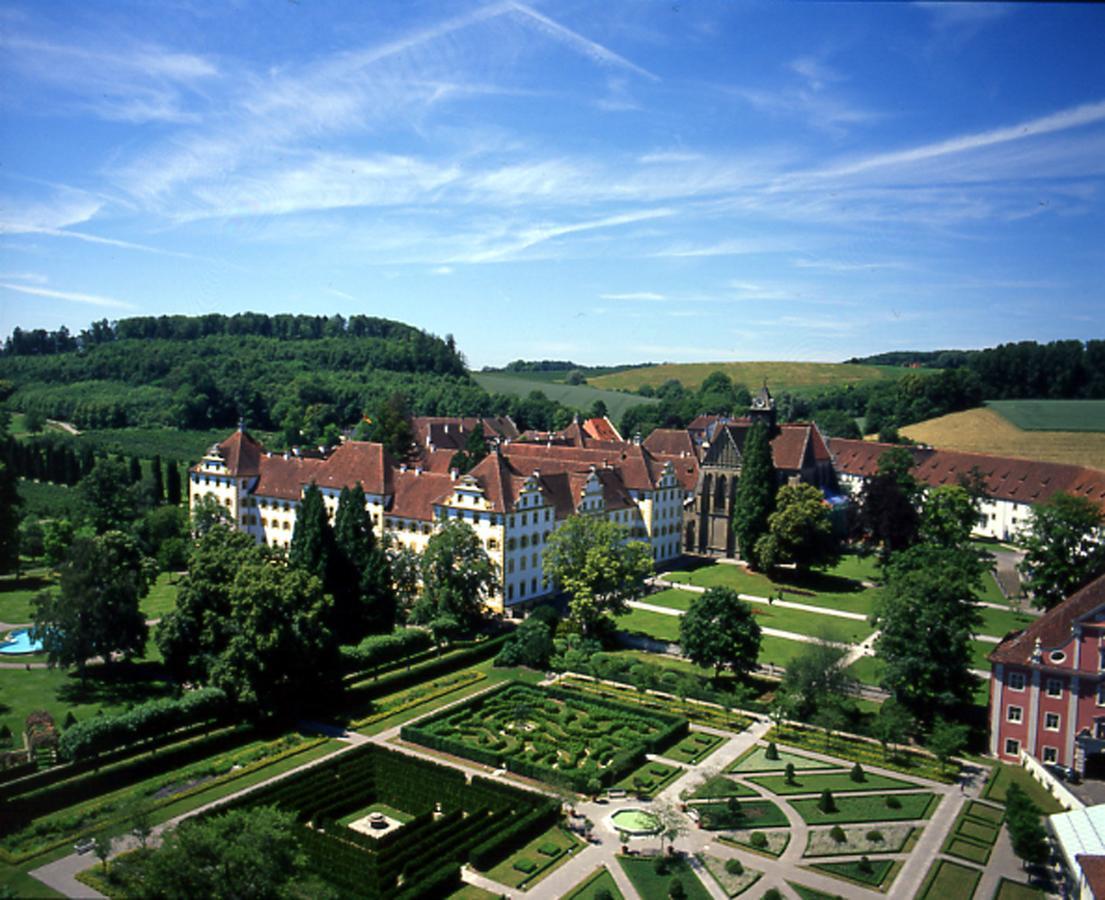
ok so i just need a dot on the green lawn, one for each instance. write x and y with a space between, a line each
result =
991 593
778 651
727 816
813 588
694 748
756 761
875 874
471 892
834 781
653 886
949 881
833 628
867 669
652 624
980 651
999 622
60 691
1052 415
515 869
593 884
856 567
162 596
1005 775
16 595
672 599
1014 890
720 788
868 809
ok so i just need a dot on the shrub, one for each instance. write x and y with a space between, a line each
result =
789 773
874 836
525 865
676 890
857 773
893 802
865 865
5 735
837 834
548 849
661 866
758 840
773 753
826 803
603 894
734 867
772 894
70 720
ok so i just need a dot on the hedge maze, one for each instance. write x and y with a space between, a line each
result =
454 821
549 734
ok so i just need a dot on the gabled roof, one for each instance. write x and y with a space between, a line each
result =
284 478
670 442
358 461
1005 478
1054 628
416 491
601 428
451 432
241 453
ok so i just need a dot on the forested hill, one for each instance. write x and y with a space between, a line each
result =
279 372
1060 370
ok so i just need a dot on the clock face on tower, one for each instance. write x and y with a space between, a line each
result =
758 403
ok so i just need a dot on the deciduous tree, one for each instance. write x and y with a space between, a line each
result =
107 496
593 562
95 610
719 631
457 575
814 678
800 531
888 504
1061 553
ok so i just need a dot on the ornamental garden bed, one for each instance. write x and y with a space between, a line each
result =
595 884
739 814
833 781
755 760
974 833
556 736
538 858
694 748
866 840
875 873
654 885
452 821
881 808
868 753
948 880
719 787
770 842
733 883
648 780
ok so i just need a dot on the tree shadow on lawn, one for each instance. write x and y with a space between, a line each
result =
116 685
817 582
25 583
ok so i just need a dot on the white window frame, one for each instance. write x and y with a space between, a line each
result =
1058 721
1016 681
1051 754
1055 687
1016 745
1016 717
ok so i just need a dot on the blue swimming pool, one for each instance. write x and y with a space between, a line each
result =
20 642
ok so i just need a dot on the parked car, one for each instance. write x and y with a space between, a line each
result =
84 845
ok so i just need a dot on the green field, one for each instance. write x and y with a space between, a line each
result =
581 396
1052 415
796 377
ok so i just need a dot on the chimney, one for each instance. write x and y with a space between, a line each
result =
418 470
453 473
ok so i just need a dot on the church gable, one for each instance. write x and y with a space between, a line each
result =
723 452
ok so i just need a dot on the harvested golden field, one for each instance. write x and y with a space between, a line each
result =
984 431
781 376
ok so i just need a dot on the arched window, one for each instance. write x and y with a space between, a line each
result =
719 492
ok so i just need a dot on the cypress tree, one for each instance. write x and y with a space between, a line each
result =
157 488
135 470
88 460
72 467
313 548
755 496
369 606
172 483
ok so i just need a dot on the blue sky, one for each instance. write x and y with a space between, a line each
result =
604 182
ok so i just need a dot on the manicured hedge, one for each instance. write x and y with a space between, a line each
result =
500 845
148 720
380 649
20 770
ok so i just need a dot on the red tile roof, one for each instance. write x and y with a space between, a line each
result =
416 492
1053 628
1093 868
1006 478
358 461
451 432
601 429
670 442
241 454
283 478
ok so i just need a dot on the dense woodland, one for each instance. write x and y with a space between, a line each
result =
1060 370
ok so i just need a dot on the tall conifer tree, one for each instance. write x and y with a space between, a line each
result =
135 470
157 484
313 548
172 484
755 497
369 605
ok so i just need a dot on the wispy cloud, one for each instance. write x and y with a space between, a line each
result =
635 295
836 265
16 228
72 296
